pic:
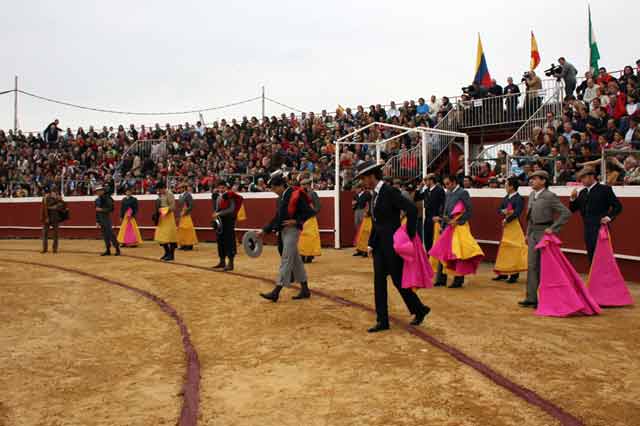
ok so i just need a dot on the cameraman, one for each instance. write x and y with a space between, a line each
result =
533 100
568 74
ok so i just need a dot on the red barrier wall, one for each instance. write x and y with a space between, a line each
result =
20 219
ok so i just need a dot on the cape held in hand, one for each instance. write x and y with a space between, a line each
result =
562 292
606 283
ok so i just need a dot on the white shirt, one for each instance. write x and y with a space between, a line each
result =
591 187
511 195
629 136
537 193
393 112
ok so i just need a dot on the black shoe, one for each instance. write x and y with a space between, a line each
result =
528 304
273 295
169 258
118 252
421 316
499 278
106 253
513 278
378 328
304 292
440 284
457 282
229 266
356 254
220 265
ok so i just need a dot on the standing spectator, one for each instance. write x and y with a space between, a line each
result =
512 100
533 101
568 74
51 134
434 106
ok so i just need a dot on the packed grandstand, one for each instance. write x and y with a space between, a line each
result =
601 118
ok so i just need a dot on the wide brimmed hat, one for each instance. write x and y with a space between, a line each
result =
367 168
307 181
252 244
277 178
541 174
586 171
99 188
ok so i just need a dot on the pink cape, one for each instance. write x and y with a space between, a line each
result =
562 292
606 283
416 271
442 250
129 234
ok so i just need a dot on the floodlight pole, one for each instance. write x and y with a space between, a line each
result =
15 105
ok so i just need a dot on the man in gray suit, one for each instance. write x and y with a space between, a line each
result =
543 205
568 74
454 194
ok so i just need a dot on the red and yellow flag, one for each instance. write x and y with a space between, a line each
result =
535 53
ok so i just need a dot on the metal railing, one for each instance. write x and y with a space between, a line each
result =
552 104
498 110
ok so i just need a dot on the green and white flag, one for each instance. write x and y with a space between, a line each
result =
594 53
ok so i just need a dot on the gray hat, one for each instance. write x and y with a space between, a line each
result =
99 188
541 174
586 171
252 244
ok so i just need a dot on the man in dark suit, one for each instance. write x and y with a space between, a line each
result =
597 205
386 205
433 196
104 208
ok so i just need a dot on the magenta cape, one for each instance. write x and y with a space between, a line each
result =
416 271
562 292
458 238
130 236
606 283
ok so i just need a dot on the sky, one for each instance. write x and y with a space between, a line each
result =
161 55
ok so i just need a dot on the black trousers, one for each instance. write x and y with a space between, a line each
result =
591 238
108 235
384 265
428 234
227 239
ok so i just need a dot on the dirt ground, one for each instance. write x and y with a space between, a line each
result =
76 351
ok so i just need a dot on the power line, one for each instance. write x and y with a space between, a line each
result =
284 105
7 91
111 111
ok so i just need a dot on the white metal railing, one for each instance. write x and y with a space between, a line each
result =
498 110
552 104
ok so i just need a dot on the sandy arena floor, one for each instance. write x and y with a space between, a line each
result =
75 350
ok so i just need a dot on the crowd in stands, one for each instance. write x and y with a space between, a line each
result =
604 114
244 152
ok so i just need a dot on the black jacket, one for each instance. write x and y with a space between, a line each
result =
517 203
434 202
596 204
385 213
105 202
129 202
303 211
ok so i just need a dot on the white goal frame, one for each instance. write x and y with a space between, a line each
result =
424 132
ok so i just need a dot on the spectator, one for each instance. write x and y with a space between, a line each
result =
590 91
422 109
512 100
568 74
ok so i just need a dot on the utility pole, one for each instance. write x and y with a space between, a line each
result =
263 102
15 105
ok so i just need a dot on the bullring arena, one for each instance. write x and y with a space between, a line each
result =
134 341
